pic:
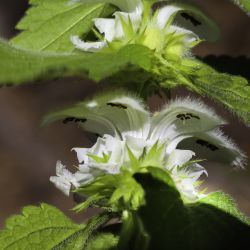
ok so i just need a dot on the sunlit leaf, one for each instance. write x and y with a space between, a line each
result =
18 66
41 228
48 25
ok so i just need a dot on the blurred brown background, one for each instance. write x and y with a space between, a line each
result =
28 152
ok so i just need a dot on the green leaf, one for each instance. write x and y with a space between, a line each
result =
42 228
229 64
232 91
133 234
48 25
201 24
47 228
19 66
244 4
225 203
104 241
212 223
92 227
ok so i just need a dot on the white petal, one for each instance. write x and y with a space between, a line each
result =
64 179
84 178
114 148
195 171
136 145
62 171
179 158
98 124
190 37
183 117
193 19
87 46
214 146
60 183
186 178
166 14
81 154
134 18
121 115
106 26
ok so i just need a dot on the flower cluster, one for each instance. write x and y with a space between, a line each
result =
173 139
178 27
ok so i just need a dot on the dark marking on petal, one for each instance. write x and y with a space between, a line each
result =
194 21
213 147
67 120
187 116
179 116
73 119
193 116
117 105
202 142
207 144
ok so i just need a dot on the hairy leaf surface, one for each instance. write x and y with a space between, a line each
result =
47 228
48 25
19 66
232 91
42 228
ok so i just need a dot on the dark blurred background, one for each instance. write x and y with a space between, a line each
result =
28 152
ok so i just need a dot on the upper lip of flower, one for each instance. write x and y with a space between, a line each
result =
183 122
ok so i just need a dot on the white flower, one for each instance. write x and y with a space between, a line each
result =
184 129
64 179
185 178
128 26
107 155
